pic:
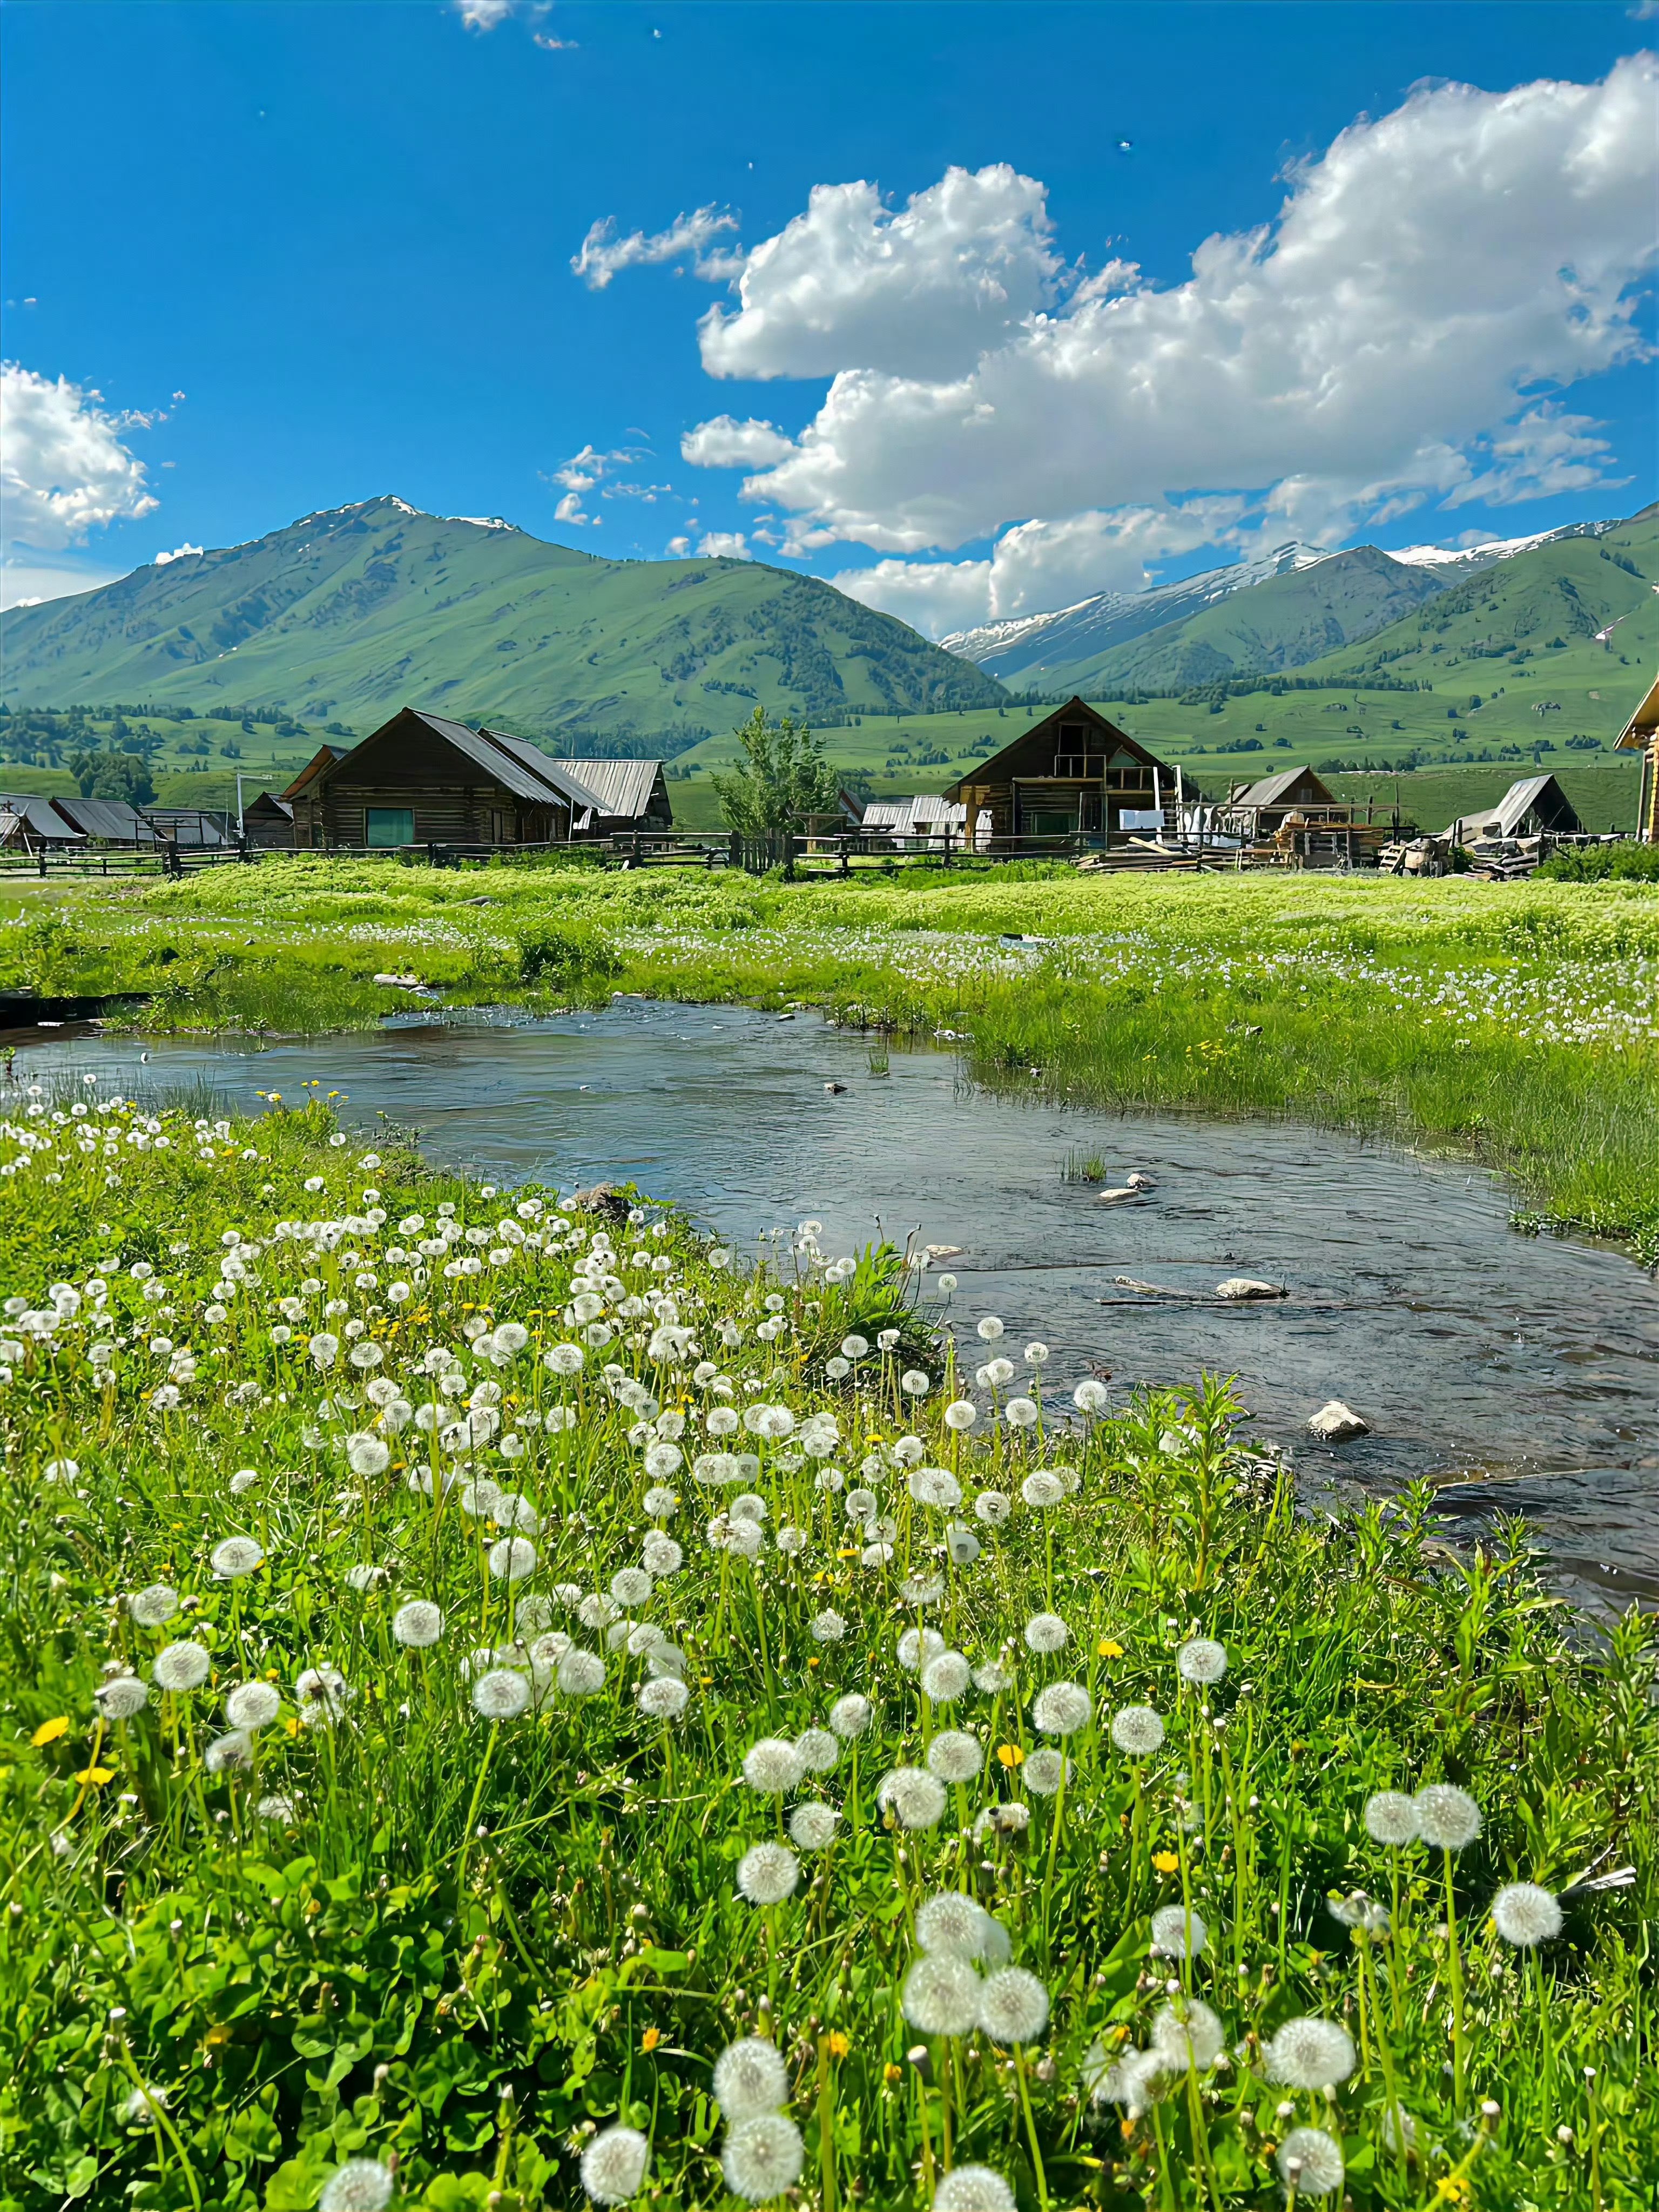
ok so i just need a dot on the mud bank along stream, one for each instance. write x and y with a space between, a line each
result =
1521 1373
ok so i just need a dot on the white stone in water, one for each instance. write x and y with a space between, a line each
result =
1334 1423
1112 1197
1247 1286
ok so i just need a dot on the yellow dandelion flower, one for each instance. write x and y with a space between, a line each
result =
49 1731
1108 1647
651 2038
1011 1754
839 2045
93 1778
1166 1862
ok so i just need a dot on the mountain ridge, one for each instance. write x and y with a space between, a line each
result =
356 608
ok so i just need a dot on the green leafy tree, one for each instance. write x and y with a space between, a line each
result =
120 775
782 777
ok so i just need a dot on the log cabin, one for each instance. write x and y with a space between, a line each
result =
1073 774
1641 735
420 780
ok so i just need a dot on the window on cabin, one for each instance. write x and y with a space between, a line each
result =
389 825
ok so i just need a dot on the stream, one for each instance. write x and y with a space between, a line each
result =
1522 1375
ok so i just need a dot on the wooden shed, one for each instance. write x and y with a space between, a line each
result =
1526 809
1073 774
1273 798
267 823
1641 735
421 779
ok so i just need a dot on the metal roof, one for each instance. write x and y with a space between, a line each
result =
110 819
519 766
922 813
1273 788
620 789
34 817
189 825
281 806
1517 802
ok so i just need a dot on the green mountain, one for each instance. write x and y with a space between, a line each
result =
349 614
1539 611
1281 623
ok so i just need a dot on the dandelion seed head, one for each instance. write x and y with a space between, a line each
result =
368 1455
1178 1933
1091 1397
954 1925
512 1558
990 1330
500 1693
945 1676
579 1674
1524 1914
812 1825
1310 2054
993 1507
1134 2079
1137 1731
1013 2006
1310 2163
121 1697
941 1995
772 1766
362 2185
228 1752
1040 1489
817 1749
1201 1660
660 1503
1045 1632
1062 1709
961 1413
1391 1817
419 1624
955 1755
253 1704
630 1586
916 1646
914 1796
973 2189
768 1873
153 1605
1025 1413
763 2157
662 1697
935 1486
613 2165
1447 1817
750 2077
829 1626
1044 1771
181 1666
235 1556
1193 2036
850 1716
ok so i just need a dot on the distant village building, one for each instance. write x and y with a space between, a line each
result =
267 823
106 822
1073 774
1530 808
1641 735
30 824
1268 804
421 779
920 816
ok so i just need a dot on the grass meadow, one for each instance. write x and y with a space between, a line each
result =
1513 1024
508 1706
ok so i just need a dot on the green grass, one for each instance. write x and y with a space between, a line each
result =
373 1929
1510 1024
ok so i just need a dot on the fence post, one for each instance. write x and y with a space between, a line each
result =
43 862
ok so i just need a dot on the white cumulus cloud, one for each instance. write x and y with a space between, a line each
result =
63 469
483 15
1038 565
921 291
724 545
603 253
1384 342
723 443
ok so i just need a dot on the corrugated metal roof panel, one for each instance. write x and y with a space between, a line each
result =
36 817
1273 788
111 819
620 788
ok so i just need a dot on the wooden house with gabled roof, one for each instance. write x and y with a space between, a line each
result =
1641 735
1073 774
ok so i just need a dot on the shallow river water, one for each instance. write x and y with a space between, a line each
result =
1523 1374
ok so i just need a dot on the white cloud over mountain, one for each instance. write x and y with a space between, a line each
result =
921 292
63 469
725 443
1392 338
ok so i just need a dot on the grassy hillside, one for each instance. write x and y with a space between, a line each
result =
1282 624
346 615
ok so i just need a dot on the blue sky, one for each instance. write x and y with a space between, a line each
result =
261 260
